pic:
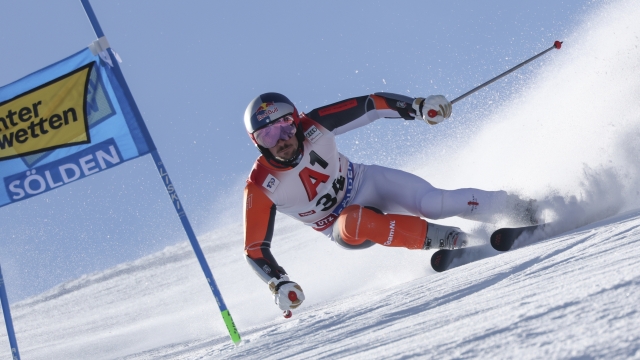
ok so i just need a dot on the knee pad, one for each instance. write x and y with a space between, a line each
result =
345 238
357 224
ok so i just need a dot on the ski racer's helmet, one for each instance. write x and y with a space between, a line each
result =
266 109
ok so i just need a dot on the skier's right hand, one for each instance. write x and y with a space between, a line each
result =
436 105
287 294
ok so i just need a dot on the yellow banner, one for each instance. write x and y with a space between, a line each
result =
46 118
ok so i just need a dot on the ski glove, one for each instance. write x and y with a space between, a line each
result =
287 294
438 103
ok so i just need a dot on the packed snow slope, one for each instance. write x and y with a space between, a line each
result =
573 296
567 134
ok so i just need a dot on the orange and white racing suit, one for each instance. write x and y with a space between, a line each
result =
325 182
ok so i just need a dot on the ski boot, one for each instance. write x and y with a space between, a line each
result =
445 237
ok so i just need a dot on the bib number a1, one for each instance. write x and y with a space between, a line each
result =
311 179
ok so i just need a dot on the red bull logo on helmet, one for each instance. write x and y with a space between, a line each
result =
265 110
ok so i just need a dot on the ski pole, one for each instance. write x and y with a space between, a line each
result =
556 45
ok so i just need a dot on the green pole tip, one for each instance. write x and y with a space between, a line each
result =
231 327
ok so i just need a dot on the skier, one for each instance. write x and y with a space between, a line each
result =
301 174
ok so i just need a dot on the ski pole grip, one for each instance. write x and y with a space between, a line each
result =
432 113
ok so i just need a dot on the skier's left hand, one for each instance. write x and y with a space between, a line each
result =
438 103
287 294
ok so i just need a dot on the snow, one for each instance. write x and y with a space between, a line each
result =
575 295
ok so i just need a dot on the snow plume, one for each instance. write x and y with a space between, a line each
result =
568 137
601 195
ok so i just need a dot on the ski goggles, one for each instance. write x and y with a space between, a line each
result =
281 129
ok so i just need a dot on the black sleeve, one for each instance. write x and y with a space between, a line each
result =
341 113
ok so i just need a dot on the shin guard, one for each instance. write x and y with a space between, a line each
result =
358 224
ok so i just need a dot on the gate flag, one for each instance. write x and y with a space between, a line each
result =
73 119
64 123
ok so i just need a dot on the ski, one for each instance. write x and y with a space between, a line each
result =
443 259
503 239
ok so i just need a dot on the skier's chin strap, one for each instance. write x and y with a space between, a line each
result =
294 161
